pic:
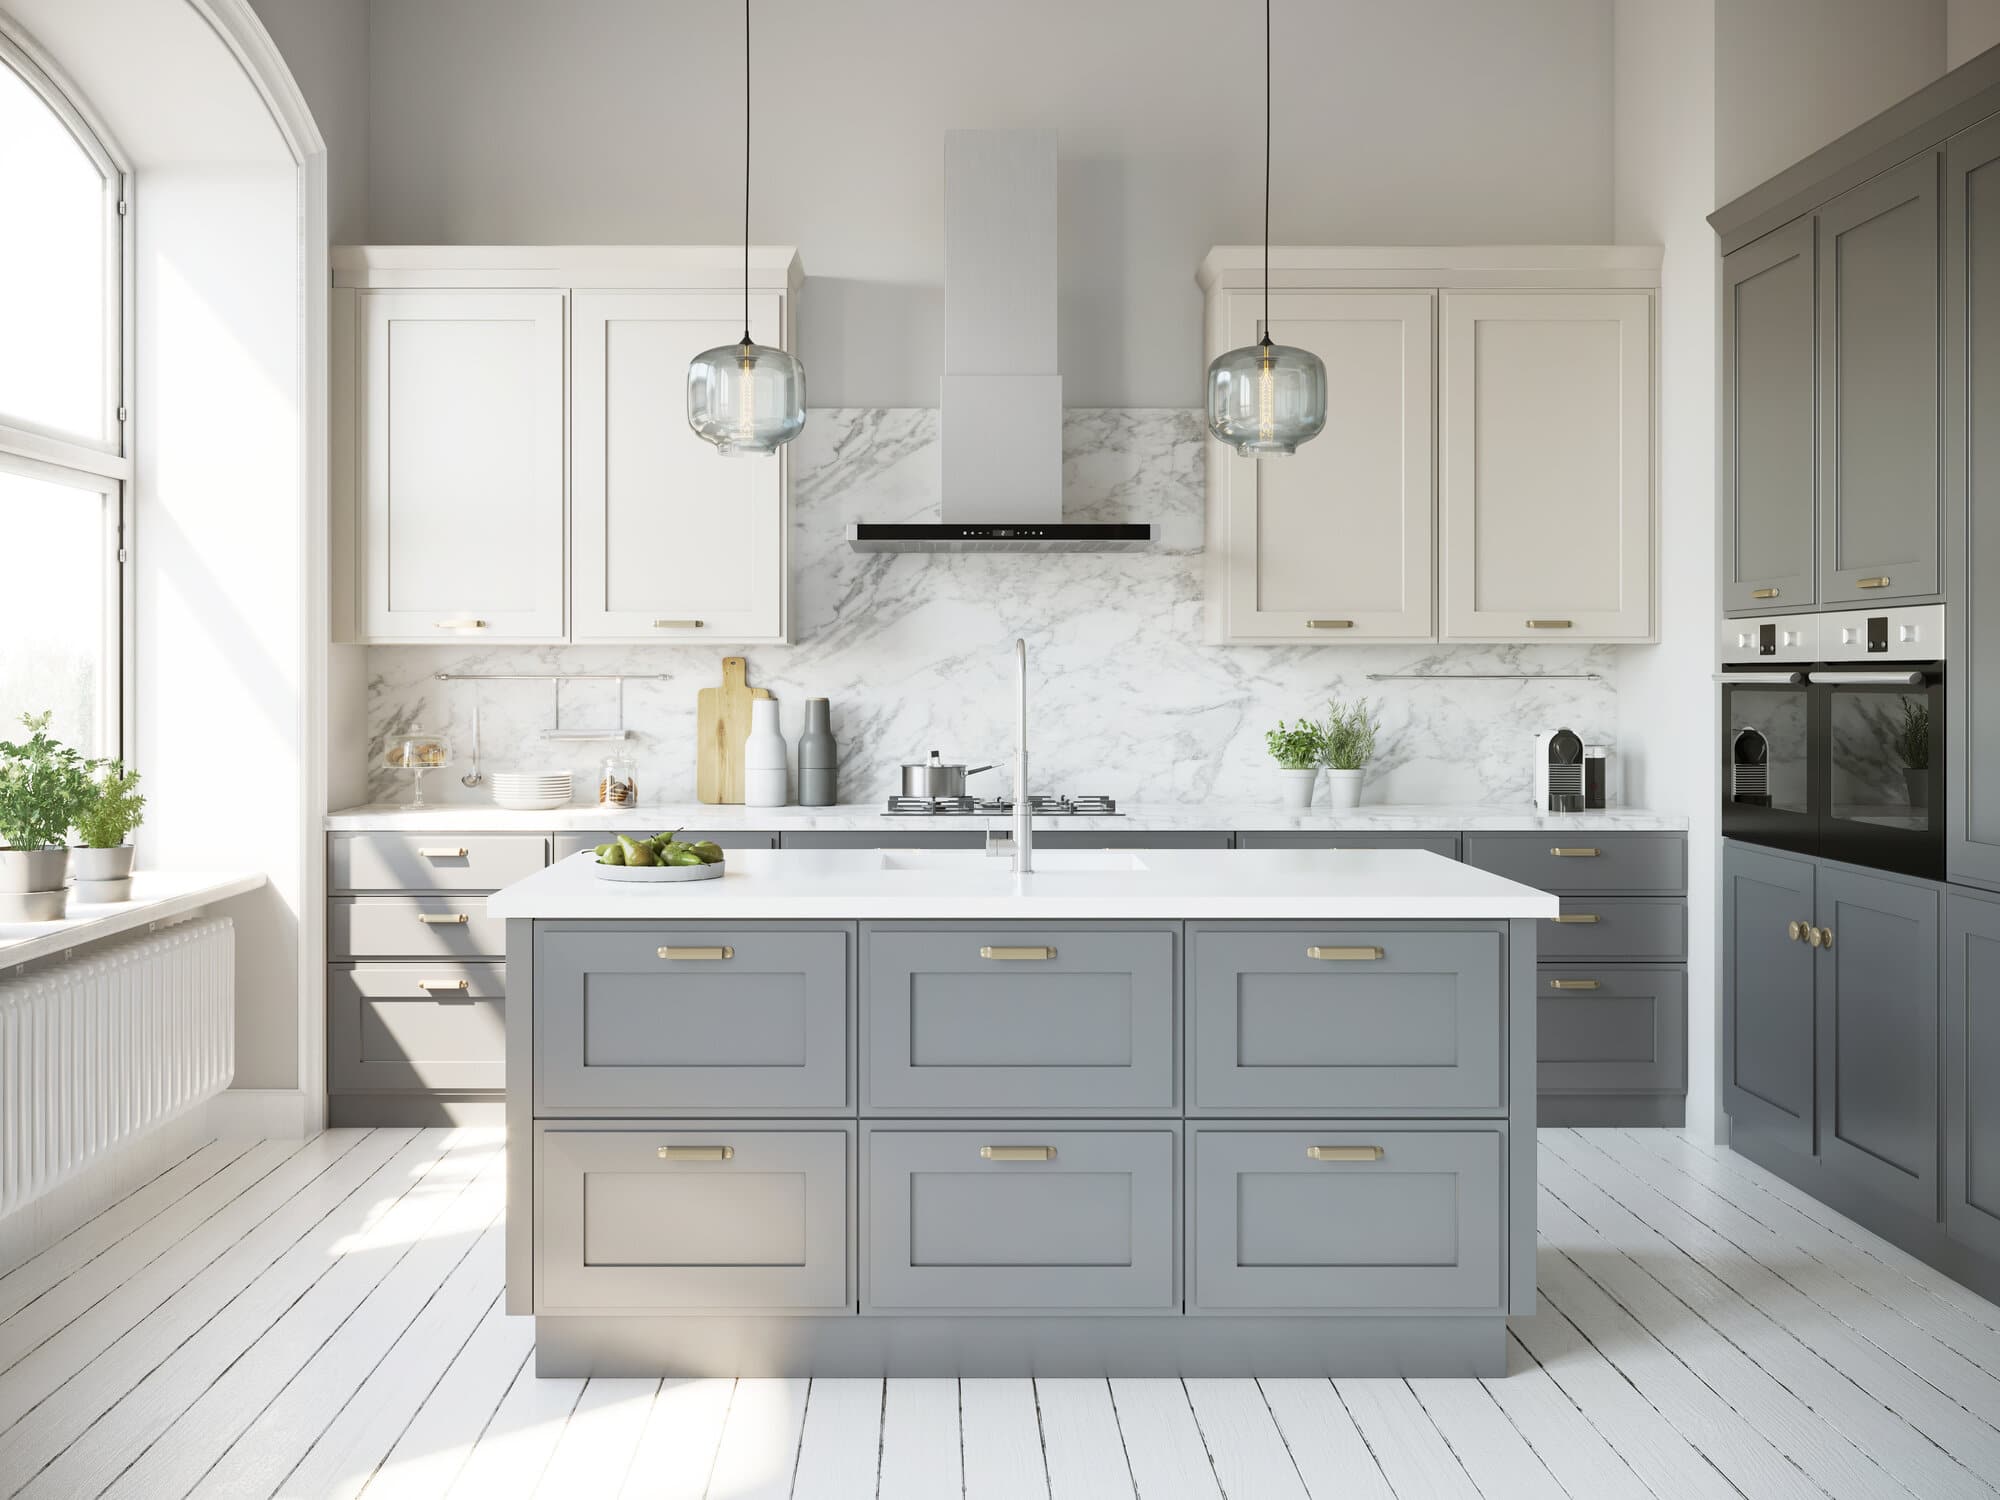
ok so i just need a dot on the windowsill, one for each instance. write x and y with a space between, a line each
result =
156 897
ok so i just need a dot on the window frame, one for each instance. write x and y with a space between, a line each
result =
103 464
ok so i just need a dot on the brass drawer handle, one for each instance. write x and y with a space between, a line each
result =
1872 583
1573 918
442 853
704 953
676 624
1574 853
1573 984
1344 1153
1364 954
1018 1153
1763 593
444 984
461 624
1014 953
697 1153
435 919
1550 624
1329 624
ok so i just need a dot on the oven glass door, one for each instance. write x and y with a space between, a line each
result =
1767 760
1883 729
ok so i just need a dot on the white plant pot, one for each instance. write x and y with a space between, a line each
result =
1343 788
1295 788
34 906
101 892
101 864
30 871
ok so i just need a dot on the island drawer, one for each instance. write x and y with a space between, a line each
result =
1016 1217
1435 843
413 927
1002 1019
1615 927
567 844
671 1216
692 1020
1341 1019
432 861
1585 864
410 1027
1611 1030
1364 1216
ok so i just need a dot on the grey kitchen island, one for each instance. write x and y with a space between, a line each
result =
906 1112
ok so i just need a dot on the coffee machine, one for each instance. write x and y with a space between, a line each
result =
1559 771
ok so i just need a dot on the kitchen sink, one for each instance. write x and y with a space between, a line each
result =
1051 861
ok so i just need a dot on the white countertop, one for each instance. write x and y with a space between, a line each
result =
1141 817
157 896
934 885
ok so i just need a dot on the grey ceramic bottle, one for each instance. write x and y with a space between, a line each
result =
819 758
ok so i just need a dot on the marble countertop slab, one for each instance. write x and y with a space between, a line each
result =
157 896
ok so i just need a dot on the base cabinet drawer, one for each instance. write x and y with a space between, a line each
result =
691 1020
1332 1220
413 927
1606 1030
1584 864
433 861
567 844
1433 843
673 1217
1020 1218
1615 927
1337 1019
416 1027
1013 1020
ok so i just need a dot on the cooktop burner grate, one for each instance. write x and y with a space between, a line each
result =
1000 807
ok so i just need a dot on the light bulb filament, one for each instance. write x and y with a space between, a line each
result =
1267 399
746 406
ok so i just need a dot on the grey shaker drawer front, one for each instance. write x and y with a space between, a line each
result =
673 1218
1605 1030
417 1026
1353 1218
413 927
1615 927
742 1021
1021 1217
433 861
1001 1019
1323 1019
1585 864
1434 843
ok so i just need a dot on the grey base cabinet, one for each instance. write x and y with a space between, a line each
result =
1971 1055
1769 1024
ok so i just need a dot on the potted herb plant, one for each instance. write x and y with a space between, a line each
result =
43 785
101 867
1350 745
1913 744
1298 749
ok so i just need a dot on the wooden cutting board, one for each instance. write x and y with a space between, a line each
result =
722 723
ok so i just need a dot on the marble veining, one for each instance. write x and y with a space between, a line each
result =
1127 700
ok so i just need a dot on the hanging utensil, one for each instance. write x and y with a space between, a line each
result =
474 776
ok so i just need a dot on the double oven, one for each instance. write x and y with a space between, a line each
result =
1833 737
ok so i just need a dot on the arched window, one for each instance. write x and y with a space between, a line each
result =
63 458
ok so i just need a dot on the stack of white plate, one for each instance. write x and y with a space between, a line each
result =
531 791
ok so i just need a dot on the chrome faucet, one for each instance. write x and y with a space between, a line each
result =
1024 817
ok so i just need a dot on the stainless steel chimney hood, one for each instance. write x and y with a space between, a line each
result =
1000 405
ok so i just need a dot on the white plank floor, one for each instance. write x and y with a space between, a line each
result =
323 1319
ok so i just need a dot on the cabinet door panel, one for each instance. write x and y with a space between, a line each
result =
1545 479
1768 330
1334 542
1878 388
1972 1061
462 441
1767 994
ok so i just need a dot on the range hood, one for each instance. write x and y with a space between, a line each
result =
1000 406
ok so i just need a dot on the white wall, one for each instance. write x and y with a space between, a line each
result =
325 44
1970 27
522 121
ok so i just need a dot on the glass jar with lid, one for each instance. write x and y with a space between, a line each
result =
416 750
618 781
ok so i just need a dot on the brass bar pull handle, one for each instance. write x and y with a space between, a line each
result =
433 985
1573 984
702 953
1364 954
1872 583
434 919
676 624
1796 931
1344 1153
461 624
1573 918
441 853
697 1153
1763 593
1550 624
1574 853
1329 624
1018 1153
1017 953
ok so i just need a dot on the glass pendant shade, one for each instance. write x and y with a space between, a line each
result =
1267 398
746 398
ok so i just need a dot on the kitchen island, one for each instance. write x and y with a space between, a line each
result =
906 1112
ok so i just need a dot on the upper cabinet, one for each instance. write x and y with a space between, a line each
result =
511 460
1486 469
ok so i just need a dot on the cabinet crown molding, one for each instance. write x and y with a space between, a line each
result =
634 267
1497 266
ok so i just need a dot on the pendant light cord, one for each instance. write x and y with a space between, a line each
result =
746 165
1267 170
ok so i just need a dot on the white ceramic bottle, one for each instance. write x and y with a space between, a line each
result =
764 779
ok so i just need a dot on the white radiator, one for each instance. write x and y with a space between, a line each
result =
103 1048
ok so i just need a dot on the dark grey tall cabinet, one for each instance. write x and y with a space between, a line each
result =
1971 1053
1768 1071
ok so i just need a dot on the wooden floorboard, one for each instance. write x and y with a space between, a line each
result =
324 1319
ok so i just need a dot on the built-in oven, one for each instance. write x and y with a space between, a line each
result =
1833 736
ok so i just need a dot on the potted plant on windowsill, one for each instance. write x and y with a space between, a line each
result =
1298 749
101 867
1350 745
43 785
1913 744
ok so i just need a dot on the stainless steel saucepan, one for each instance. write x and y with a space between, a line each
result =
933 778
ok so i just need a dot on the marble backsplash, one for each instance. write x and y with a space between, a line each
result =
914 651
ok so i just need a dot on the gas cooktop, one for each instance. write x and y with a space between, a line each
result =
1000 807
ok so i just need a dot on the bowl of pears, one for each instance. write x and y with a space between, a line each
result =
662 859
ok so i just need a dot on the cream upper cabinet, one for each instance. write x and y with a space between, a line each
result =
459 464
1545 469
669 540
1332 542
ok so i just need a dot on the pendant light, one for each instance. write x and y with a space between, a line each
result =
1266 399
746 397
